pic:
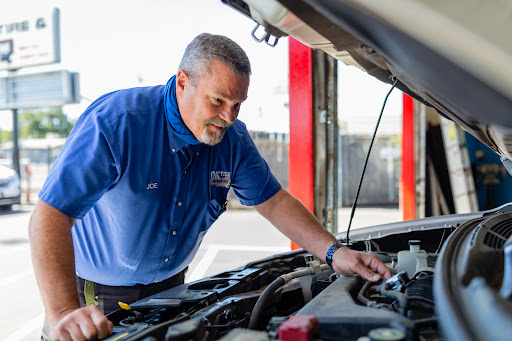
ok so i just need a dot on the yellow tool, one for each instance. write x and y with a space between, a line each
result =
124 306
138 316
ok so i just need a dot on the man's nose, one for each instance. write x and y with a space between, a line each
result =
229 115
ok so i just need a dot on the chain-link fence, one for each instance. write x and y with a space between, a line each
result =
37 157
381 181
273 147
35 164
380 186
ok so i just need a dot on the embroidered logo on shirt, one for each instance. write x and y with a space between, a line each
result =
220 179
153 185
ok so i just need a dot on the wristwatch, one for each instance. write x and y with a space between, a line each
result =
330 253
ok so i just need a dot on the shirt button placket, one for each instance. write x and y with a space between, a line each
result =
179 212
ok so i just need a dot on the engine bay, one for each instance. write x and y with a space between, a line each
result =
292 296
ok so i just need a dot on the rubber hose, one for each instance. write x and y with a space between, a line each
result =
271 289
364 289
263 301
398 296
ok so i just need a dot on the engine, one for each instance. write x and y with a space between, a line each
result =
292 297
447 273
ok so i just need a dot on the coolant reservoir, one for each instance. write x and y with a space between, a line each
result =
413 259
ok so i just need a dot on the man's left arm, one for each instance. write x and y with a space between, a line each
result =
296 222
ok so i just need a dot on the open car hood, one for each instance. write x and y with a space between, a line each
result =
452 275
454 56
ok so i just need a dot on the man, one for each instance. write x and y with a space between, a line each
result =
143 175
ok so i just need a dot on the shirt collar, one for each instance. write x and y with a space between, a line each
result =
173 115
179 137
175 142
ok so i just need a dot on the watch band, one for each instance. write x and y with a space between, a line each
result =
330 253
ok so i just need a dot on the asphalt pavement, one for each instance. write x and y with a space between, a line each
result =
237 238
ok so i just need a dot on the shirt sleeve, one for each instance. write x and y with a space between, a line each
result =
85 168
253 182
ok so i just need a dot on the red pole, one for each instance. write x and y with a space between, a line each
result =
407 178
300 157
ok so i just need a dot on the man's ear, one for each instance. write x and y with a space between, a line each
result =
182 81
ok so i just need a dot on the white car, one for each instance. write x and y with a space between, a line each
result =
10 190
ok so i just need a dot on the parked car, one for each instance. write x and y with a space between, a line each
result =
452 274
10 190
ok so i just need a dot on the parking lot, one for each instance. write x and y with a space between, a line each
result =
235 239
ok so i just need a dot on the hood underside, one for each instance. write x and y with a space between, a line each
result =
454 56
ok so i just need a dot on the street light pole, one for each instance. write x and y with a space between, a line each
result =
15 144
15 137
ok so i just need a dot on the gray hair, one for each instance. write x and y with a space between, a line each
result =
205 48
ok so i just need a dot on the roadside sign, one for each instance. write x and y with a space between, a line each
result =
29 39
44 89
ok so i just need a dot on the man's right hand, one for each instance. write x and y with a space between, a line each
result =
86 323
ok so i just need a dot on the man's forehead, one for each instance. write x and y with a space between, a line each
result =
227 85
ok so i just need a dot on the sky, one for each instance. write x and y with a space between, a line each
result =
121 44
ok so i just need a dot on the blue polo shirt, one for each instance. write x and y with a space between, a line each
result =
144 198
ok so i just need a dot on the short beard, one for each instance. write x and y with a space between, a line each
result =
214 138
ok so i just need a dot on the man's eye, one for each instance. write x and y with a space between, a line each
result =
218 100
237 106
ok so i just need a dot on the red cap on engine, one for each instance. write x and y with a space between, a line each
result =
299 328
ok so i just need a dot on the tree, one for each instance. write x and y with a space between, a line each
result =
38 124
5 135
